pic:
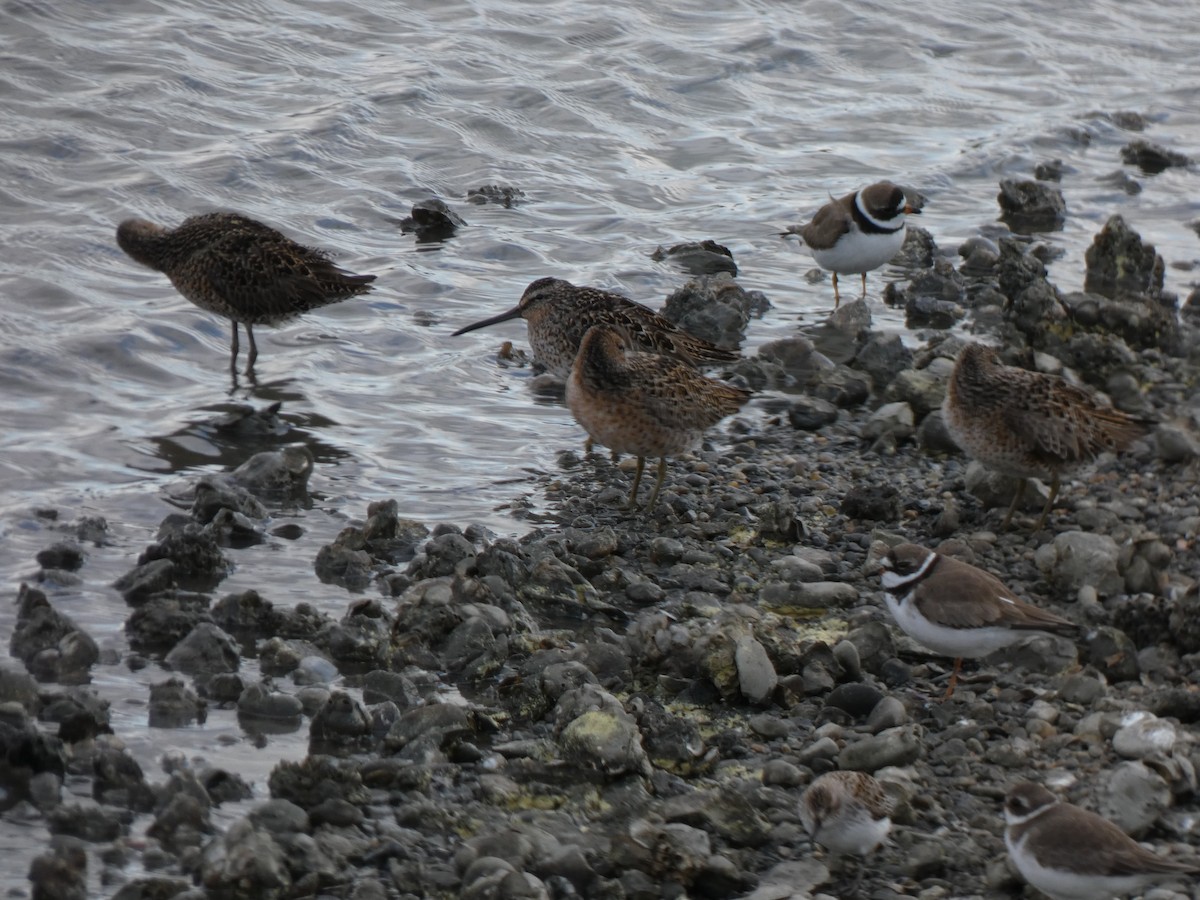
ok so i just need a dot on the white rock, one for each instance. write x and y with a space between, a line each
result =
1143 734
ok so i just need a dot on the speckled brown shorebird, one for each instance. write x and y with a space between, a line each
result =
241 269
1028 424
643 404
558 315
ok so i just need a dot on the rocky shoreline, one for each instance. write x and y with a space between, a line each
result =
628 706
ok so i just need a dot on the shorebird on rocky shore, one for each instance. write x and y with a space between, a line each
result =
957 610
1070 853
239 268
641 403
859 232
558 315
847 813
1029 424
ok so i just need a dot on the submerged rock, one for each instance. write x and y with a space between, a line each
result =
1031 206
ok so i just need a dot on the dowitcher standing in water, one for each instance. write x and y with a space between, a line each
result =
558 315
642 403
241 269
859 232
1029 424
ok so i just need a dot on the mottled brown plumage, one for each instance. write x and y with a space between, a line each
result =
643 404
241 269
558 315
1028 424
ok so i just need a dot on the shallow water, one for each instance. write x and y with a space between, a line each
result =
626 127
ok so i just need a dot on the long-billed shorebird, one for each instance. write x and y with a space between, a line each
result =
558 315
1070 853
642 403
847 813
1029 424
859 232
239 268
957 610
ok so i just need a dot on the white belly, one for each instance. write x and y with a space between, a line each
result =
1070 885
858 252
955 642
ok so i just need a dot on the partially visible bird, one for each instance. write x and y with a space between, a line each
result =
239 268
558 315
847 813
956 609
1029 424
641 403
859 232
1070 853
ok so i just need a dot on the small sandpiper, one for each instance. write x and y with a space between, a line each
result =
957 610
558 315
643 404
1070 853
860 232
239 268
847 813
1029 424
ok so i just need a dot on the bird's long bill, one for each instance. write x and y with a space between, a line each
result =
514 313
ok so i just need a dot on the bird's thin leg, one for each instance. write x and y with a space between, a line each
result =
1049 503
637 480
837 299
1013 507
953 679
662 473
233 350
588 445
253 349
864 278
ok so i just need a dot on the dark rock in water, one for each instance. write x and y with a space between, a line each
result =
340 726
1031 206
1121 179
144 581
63 555
196 557
214 494
88 821
268 708
716 308
432 220
165 619
1050 170
247 613
118 780
206 650
49 643
499 194
60 874
877 503
979 256
699 257
809 413
276 474
174 704
1034 307
1120 264
918 251
27 754
883 357
182 818
1152 158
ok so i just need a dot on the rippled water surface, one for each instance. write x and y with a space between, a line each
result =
626 125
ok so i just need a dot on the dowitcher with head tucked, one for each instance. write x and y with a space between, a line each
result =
1029 424
642 403
558 315
241 269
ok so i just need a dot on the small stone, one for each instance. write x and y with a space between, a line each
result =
1144 736
892 747
1133 797
887 713
756 675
